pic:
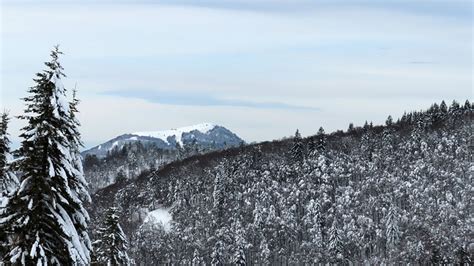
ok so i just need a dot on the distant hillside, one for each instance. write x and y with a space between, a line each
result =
128 155
398 193
205 136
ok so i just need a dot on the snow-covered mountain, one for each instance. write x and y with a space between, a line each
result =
128 155
205 136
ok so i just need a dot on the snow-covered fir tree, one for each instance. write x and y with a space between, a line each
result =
239 244
392 230
197 259
77 182
335 242
265 253
111 247
389 121
321 140
312 221
216 255
45 218
297 151
8 179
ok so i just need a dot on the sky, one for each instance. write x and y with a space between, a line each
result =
261 68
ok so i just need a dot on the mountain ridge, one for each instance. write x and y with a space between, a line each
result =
127 155
205 134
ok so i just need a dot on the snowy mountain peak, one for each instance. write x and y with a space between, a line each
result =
207 136
176 132
130 154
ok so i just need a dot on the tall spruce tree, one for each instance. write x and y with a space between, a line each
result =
321 136
312 144
45 217
297 150
8 180
77 181
389 121
467 105
392 230
216 255
335 242
312 221
197 259
111 248
239 244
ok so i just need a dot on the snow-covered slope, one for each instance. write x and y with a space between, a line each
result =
176 132
206 135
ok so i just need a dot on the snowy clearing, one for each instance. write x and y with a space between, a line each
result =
159 216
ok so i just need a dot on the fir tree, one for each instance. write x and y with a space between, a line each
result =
389 121
367 145
312 144
239 253
392 230
312 221
77 181
265 252
219 195
8 180
454 107
45 218
443 108
180 154
467 105
321 136
335 241
297 150
366 125
111 248
350 128
197 259
216 256
239 256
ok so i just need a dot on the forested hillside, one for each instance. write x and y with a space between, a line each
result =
398 193
124 163
128 155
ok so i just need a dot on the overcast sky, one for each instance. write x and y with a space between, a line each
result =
261 68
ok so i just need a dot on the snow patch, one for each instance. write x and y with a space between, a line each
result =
114 145
159 216
176 132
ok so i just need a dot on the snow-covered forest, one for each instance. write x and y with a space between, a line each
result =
399 193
